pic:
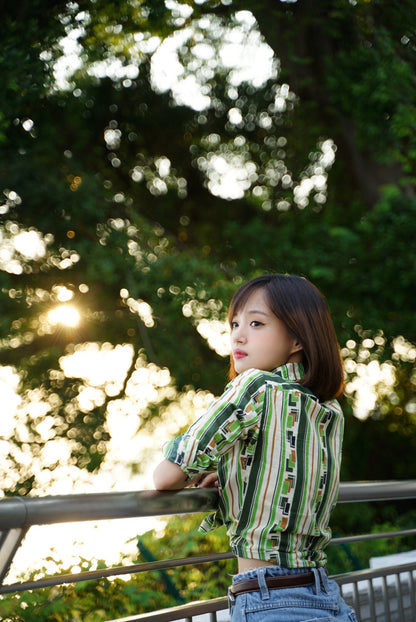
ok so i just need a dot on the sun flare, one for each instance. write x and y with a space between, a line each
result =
64 314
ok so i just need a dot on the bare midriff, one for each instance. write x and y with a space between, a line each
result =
247 563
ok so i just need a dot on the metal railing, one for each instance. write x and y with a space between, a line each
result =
373 602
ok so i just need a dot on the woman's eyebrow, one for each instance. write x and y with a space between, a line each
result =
258 311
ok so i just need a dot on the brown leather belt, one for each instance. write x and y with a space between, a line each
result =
274 583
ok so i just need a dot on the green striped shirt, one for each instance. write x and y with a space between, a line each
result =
277 450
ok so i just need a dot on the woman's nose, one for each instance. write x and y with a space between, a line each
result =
239 335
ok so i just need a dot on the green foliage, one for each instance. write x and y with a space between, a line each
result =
181 539
93 601
119 179
356 556
96 601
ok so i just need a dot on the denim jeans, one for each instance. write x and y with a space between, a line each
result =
321 602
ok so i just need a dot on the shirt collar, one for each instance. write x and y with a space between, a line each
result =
290 371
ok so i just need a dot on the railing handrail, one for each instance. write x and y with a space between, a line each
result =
18 512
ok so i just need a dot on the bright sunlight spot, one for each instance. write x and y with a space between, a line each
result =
217 334
64 314
98 364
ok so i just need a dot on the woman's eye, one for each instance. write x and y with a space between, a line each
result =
256 323
233 324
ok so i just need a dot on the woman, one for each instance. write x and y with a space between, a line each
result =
272 445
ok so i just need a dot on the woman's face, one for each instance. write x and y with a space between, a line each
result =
259 339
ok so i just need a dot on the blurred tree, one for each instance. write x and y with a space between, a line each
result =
155 154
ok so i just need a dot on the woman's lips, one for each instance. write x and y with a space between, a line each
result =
239 354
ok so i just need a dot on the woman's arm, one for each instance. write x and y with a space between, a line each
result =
209 437
169 476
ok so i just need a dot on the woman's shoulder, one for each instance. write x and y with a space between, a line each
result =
254 379
334 406
285 379
250 380
250 375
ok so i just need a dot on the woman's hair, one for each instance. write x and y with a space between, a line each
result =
304 311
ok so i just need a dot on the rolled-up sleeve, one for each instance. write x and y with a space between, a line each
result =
228 419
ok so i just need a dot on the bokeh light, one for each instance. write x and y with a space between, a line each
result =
64 314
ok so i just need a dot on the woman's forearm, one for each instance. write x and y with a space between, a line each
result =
169 476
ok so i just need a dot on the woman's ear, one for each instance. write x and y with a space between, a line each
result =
297 346
296 354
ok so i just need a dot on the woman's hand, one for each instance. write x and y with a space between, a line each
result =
210 480
169 476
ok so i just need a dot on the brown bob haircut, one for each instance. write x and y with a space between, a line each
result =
304 311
